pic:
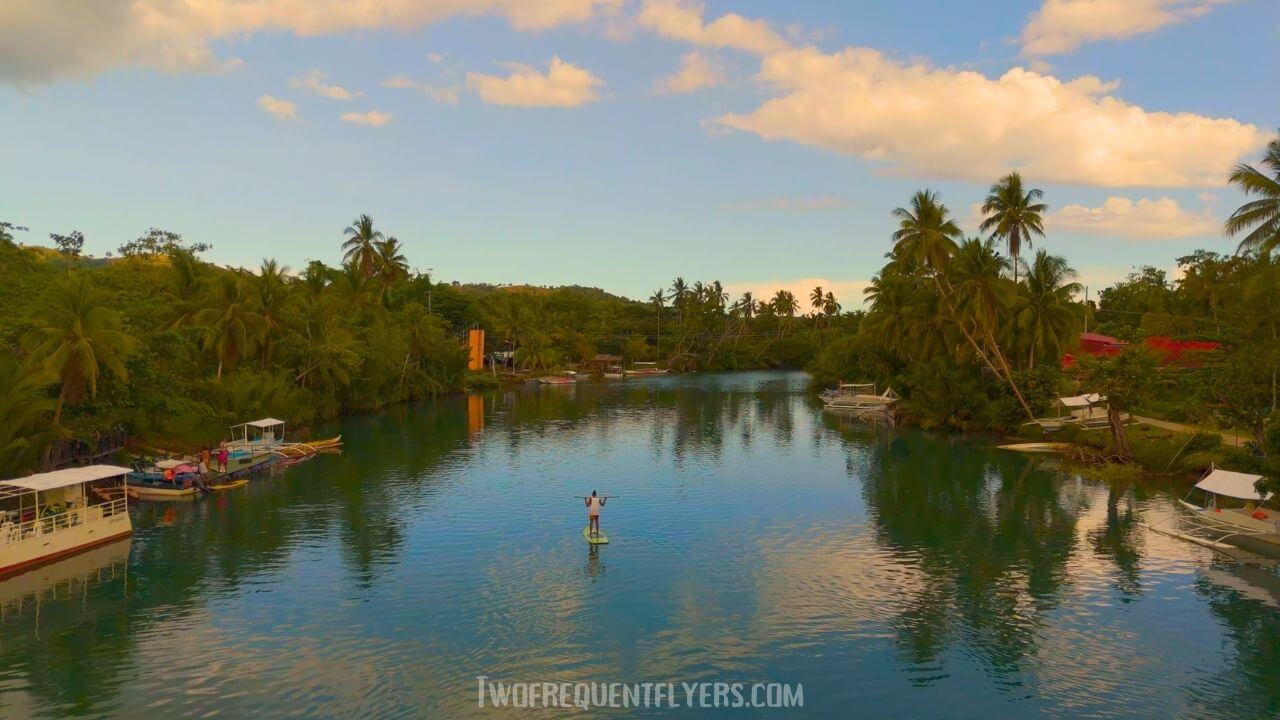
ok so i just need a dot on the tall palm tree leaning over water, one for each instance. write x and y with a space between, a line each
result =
1263 214
1013 214
362 244
928 237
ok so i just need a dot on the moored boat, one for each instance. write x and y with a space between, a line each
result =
644 369
1227 510
51 515
858 396
566 377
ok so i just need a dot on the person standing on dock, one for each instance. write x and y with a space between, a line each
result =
222 459
594 503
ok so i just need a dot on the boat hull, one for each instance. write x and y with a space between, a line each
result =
43 547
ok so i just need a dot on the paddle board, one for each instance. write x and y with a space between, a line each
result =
598 539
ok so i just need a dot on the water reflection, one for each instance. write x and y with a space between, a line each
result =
756 537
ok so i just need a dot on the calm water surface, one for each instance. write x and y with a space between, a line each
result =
755 539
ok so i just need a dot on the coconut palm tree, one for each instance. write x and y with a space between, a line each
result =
184 289
926 234
817 299
926 238
785 303
1013 213
270 290
829 305
1045 312
231 322
1263 214
78 337
392 264
24 415
659 300
747 305
679 296
362 244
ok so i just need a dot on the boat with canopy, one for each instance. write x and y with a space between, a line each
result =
1227 510
54 514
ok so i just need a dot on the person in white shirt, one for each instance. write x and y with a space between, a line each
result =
594 503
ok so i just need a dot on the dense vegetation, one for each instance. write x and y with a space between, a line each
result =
175 348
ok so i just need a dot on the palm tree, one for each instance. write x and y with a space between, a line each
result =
1045 311
392 264
78 336
24 415
817 299
679 295
185 286
926 237
1263 214
748 305
829 305
659 301
232 325
271 292
356 292
362 244
1013 214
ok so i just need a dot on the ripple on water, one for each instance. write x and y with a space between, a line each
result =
754 538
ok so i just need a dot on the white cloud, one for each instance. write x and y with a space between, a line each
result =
443 94
1061 26
696 72
808 203
373 118
282 109
315 83
436 58
1146 219
948 123
848 292
563 85
682 20
46 40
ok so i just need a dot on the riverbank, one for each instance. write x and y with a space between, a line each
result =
917 571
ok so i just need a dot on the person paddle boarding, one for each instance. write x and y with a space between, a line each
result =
594 503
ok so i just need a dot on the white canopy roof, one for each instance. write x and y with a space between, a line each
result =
70 476
265 423
1231 484
1079 401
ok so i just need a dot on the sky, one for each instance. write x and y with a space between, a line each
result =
622 143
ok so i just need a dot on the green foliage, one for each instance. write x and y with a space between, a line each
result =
24 409
480 381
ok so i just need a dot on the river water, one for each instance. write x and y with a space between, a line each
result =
754 538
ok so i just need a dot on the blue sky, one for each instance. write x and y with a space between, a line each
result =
777 167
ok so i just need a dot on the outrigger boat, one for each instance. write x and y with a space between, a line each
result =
1227 512
566 377
148 479
644 369
858 396
50 515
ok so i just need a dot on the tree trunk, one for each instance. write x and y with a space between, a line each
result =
1119 439
62 400
1008 375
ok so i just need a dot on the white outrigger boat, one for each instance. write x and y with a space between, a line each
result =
50 515
1229 513
255 438
861 397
